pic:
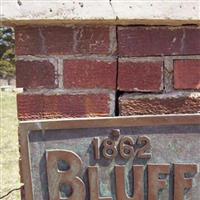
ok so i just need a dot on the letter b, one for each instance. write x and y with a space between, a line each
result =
56 177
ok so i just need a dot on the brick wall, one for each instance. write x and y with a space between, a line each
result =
83 71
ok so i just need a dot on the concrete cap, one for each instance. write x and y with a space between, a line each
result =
22 12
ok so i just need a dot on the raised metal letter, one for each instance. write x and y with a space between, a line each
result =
154 183
69 177
180 182
94 184
138 174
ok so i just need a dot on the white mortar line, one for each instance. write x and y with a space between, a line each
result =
168 74
60 73
68 57
141 59
73 91
112 103
113 39
156 58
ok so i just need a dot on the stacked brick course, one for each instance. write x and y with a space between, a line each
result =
82 71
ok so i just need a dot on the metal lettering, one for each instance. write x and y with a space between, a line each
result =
109 149
69 177
115 133
94 184
96 145
126 147
180 181
138 174
144 152
154 183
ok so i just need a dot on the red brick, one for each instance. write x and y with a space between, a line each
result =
27 41
58 40
92 40
151 41
29 106
140 76
44 40
158 104
187 74
65 105
90 74
35 74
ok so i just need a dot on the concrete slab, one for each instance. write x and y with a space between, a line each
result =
21 12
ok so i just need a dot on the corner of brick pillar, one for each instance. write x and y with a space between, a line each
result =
104 70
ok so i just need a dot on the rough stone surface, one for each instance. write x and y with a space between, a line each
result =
159 104
154 41
187 74
35 74
37 106
61 11
140 76
90 74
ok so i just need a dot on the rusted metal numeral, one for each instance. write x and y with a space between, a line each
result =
126 147
138 175
69 177
109 149
94 184
154 183
180 182
144 152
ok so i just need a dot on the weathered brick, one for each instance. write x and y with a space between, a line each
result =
92 40
151 40
187 74
158 104
27 41
90 74
35 74
29 106
140 76
37 106
58 40
43 40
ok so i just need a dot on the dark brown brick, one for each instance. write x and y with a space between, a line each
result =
27 41
158 104
187 74
59 106
35 74
44 40
58 40
92 40
90 74
140 76
151 40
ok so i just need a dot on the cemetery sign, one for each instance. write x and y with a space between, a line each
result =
123 158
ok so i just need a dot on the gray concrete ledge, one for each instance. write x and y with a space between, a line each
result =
166 12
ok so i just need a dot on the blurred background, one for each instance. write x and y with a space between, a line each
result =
9 155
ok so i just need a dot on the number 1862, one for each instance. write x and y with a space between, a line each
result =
126 147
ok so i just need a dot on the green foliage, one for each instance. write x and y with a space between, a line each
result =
7 69
7 57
